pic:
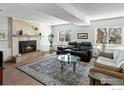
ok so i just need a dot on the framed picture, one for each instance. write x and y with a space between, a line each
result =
64 35
82 35
3 35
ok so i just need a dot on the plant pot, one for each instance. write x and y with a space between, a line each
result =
50 49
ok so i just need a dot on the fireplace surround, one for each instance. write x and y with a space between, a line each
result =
27 46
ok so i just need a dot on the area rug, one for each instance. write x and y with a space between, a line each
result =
48 72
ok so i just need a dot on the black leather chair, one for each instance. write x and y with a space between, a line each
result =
1 59
1 67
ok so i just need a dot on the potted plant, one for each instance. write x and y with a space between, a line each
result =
50 38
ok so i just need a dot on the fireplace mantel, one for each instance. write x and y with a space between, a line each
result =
19 36
28 33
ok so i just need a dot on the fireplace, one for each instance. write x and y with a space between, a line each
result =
27 46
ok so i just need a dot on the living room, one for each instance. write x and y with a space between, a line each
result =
61 44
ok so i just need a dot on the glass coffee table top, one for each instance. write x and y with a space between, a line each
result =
68 58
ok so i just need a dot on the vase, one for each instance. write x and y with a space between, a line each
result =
50 49
21 32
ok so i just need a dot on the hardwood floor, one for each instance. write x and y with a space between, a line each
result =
13 76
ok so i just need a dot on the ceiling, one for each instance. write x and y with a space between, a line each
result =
63 13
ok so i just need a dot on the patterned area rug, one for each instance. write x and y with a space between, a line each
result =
48 72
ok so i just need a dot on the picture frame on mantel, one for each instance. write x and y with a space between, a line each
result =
82 35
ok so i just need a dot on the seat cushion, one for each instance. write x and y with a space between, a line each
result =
106 63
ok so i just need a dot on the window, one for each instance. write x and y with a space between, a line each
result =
108 35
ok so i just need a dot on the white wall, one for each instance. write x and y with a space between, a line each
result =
5 45
115 22
45 30
74 30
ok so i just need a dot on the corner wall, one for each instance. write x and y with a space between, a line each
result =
45 30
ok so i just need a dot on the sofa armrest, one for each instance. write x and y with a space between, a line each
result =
108 72
108 55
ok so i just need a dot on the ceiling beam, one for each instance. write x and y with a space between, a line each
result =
72 10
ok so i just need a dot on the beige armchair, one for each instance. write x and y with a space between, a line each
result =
108 70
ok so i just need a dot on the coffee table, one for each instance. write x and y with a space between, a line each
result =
68 58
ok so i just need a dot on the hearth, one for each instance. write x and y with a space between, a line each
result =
27 46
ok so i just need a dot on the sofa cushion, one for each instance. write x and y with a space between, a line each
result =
78 45
86 44
72 44
84 48
106 63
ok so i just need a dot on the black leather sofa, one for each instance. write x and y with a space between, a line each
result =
81 49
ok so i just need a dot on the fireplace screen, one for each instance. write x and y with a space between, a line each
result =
27 46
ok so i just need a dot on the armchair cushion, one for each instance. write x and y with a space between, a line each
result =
106 63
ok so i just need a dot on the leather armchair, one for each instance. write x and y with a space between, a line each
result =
1 67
